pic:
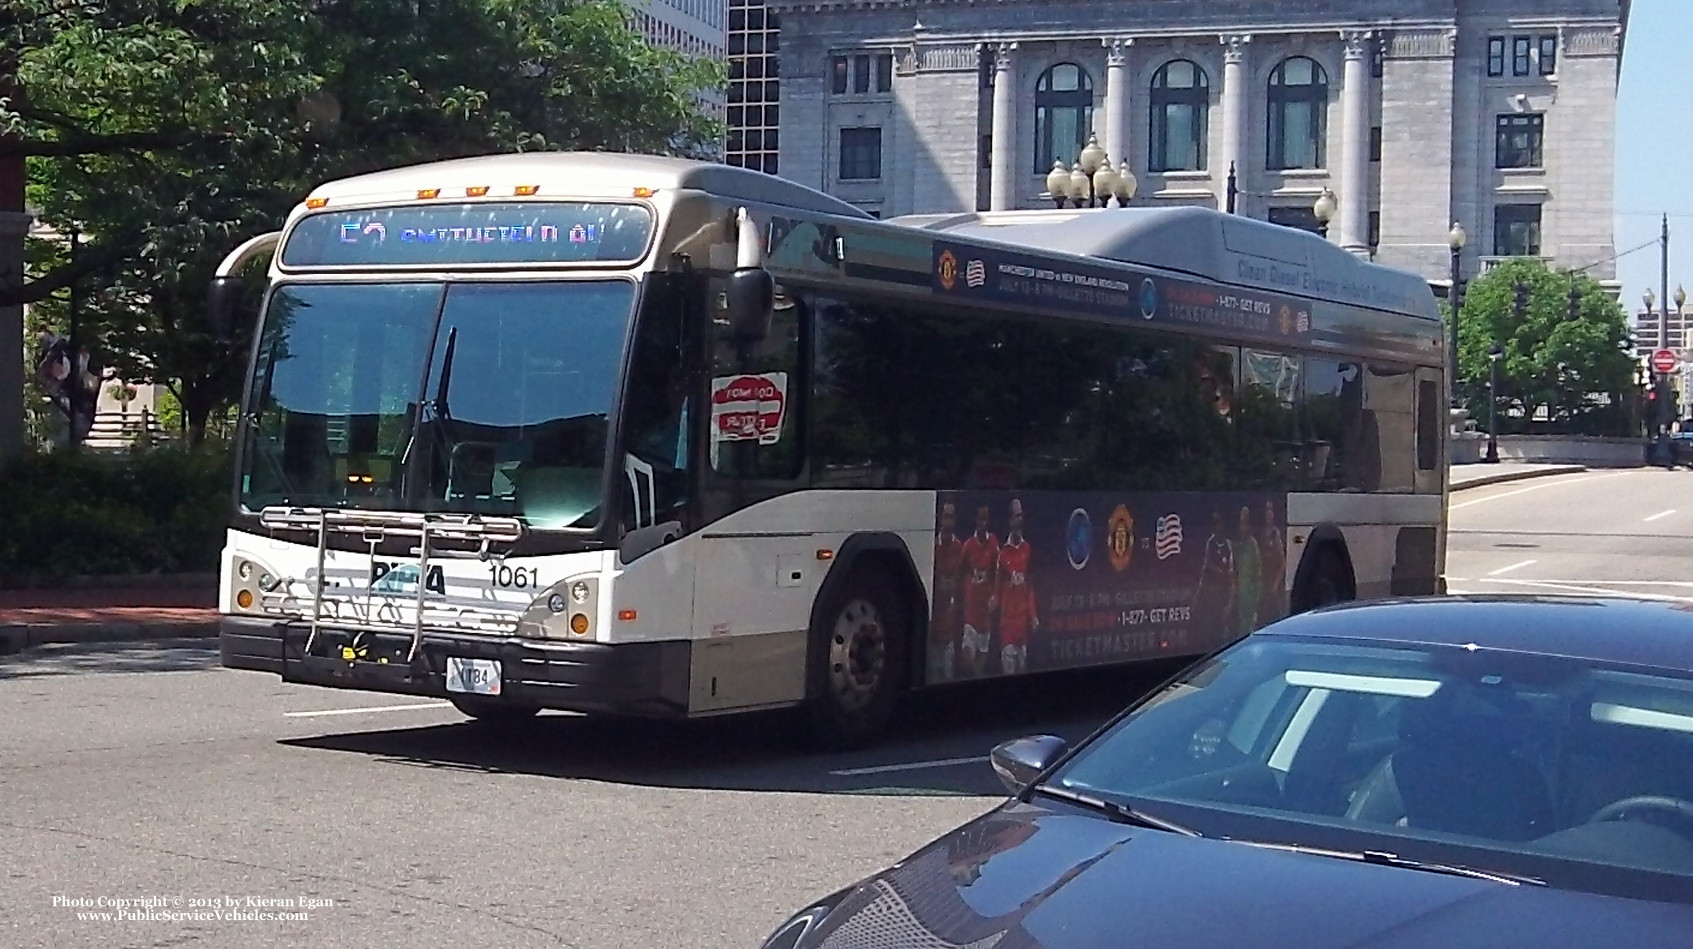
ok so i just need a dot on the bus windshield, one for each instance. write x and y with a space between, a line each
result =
466 397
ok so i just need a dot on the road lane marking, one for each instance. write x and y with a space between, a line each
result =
1660 514
1534 487
1515 566
1576 586
909 766
369 708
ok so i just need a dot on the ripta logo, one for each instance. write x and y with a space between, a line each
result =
402 578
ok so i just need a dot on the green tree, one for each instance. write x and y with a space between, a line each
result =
165 131
1580 371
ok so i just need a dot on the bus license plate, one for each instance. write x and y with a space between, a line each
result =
475 676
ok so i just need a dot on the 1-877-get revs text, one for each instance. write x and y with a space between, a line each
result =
236 908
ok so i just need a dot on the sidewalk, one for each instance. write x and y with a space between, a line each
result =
35 617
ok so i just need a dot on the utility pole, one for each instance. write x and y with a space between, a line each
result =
1663 419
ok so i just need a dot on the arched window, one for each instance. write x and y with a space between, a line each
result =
1181 101
1063 115
1299 97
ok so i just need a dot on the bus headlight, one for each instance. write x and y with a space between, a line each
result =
251 581
568 609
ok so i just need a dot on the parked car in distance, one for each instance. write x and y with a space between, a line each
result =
1496 772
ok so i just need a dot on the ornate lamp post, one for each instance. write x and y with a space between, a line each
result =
1455 239
1324 208
1092 182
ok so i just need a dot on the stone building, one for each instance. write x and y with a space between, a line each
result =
1497 114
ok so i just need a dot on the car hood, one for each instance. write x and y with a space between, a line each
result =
1027 876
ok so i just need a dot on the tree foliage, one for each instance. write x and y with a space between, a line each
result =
1580 370
166 131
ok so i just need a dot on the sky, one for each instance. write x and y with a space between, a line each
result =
1654 150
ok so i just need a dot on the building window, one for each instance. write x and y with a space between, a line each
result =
861 74
985 158
1063 115
1374 238
1516 230
1496 56
1518 140
1301 217
1181 99
1375 143
751 142
1298 100
1548 54
1521 47
861 154
1378 60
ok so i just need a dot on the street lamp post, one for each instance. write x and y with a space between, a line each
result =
1455 239
1493 358
1092 182
1655 380
1324 208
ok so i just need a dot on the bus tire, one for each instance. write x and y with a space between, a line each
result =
1329 580
495 713
856 667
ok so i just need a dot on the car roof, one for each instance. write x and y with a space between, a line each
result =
1642 632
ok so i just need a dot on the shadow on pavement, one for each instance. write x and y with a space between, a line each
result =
762 752
164 655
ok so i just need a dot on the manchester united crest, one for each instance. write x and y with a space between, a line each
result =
1120 537
948 270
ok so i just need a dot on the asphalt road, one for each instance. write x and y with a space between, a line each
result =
145 770
1622 532
148 771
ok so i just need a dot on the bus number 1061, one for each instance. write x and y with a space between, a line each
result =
516 578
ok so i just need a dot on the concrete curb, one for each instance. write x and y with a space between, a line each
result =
1501 477
16 638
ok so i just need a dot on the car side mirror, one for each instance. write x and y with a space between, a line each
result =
223 304
1019 762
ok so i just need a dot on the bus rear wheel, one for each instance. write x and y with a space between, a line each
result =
856 666
495 713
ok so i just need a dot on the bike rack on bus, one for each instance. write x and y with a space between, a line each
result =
376 526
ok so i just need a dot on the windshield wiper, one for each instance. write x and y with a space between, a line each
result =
1385 859
1119 812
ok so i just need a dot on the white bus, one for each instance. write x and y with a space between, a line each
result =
633 435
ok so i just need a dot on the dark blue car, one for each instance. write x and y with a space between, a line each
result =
1463 771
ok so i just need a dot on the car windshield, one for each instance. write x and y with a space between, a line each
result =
470 397
1549 766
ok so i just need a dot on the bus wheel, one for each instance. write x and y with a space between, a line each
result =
495 713
1328 582
857 662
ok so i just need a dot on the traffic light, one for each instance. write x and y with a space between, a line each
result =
1522 299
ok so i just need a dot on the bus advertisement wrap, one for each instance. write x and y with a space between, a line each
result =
1005 277
1032 581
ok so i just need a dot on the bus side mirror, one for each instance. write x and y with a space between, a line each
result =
752 303
223 304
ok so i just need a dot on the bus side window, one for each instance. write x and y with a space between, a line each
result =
757 395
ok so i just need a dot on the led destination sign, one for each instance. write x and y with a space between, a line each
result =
481 233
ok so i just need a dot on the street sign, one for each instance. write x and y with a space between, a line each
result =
1665 360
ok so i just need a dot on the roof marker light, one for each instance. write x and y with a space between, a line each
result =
425 194
645 192
315 203
524 191
476 192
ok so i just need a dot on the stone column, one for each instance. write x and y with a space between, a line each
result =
13 227
1354 196
1117 100
1003 193
1235 97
